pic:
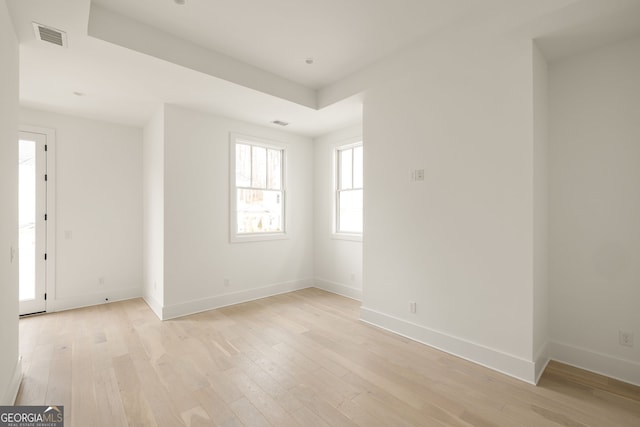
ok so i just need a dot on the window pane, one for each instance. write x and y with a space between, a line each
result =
243 165
27 219
259 211
275 170
346 171
259 167
357 167
350 211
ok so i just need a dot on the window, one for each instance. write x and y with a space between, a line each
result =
348 196
257 189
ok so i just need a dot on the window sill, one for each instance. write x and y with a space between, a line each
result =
258 237
347 236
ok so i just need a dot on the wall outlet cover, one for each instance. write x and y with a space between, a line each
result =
625 338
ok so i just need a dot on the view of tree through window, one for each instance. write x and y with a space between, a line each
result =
259 193
349 189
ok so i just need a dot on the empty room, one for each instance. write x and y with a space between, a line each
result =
320 213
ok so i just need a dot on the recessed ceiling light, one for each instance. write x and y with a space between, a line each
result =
76 93
280 123
309 61
180 2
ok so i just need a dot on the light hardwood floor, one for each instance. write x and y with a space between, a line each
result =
301 358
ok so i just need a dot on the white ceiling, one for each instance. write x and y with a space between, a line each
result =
342 36
245 59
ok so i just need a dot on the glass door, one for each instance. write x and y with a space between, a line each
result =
32 203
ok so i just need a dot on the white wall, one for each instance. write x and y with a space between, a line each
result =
338 263
459 243
98 209
198 256
595 208
540 212
10 367
153 211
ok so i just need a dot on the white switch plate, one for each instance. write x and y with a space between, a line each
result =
412 306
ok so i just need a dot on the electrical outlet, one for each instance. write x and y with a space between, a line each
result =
417 175
352 276
227 283
412 306
625 338
100 281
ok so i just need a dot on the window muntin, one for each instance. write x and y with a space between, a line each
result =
258 198
349 190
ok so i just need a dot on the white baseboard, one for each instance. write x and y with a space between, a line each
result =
11 393
338 288
494 359
153 304
218 301
541 360
624 370
61 304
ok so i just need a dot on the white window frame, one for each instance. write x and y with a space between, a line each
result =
234 236
344 145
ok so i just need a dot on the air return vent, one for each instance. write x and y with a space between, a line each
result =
50 35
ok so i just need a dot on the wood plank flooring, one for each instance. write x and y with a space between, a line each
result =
298 359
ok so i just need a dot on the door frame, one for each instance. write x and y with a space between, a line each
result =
50 224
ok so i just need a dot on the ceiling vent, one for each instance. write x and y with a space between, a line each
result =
280 123
50 35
